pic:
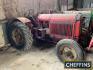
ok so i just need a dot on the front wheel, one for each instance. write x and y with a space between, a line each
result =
69 50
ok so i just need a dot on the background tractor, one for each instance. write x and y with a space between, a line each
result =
72 33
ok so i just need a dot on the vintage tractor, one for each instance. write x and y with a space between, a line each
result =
72 33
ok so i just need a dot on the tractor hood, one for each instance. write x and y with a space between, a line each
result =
44 17
59 17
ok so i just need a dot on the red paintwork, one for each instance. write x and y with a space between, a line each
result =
56 30
57 27
61 26
58 23
91 43
61 23
57 17
44 17
76 29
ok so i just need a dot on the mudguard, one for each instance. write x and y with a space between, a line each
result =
23 19
91 44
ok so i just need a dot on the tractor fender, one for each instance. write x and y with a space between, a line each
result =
24 19
29 21
21 19
91 43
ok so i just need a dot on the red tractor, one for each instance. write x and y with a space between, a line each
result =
69 31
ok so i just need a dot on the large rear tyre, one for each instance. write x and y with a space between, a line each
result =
19 36
69 50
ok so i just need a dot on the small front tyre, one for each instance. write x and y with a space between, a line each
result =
69 50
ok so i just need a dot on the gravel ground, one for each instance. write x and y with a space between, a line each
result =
36 59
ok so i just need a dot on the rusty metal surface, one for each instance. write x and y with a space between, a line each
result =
23 19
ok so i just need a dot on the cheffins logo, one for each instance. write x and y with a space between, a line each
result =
78 64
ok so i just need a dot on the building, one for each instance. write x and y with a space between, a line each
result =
65 4
83 3
75 4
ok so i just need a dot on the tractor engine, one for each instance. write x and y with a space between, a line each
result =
59 26
43 27
69 26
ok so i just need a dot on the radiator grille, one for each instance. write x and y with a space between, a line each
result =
61 29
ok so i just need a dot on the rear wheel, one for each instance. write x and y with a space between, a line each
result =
19 36
69 50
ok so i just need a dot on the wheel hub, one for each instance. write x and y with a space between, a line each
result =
17 36
69 53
